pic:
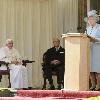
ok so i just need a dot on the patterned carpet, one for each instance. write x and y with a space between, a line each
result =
51 95
45 98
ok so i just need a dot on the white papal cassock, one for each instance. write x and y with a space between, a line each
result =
18 73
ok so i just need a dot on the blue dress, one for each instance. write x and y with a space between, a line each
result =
95 48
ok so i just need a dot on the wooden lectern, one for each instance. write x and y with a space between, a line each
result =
77 61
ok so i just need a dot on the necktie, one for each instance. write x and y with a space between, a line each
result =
57 49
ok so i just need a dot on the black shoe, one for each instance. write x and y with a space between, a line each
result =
92 88
52 87
59 87
30 88
97 89
25 89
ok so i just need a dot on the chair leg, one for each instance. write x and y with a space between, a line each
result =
44 85
9 81
0 77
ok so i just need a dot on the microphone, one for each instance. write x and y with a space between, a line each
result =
85 31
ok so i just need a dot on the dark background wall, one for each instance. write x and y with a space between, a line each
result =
95 4
82 12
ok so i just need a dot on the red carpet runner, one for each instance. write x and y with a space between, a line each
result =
57 93
51 95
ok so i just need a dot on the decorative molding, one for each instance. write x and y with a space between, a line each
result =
82 12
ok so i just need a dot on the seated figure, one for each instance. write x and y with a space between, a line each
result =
18 72
54 59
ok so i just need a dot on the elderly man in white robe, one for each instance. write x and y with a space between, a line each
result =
18 72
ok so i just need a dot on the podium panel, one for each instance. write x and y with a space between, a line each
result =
77 62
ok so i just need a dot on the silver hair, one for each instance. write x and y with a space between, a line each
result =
9 40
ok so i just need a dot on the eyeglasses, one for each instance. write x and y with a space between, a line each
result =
10 43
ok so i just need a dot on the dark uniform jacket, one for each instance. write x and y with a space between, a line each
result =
52 54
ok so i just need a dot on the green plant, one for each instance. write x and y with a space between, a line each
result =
7 92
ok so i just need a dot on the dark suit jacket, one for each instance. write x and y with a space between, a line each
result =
52 54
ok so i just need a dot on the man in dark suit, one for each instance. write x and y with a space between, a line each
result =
54 61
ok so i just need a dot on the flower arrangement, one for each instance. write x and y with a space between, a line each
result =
93 98
7 92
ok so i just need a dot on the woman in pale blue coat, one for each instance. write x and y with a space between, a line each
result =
93 30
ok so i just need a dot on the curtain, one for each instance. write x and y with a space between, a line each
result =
32 24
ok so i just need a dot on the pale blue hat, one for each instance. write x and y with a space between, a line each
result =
92 13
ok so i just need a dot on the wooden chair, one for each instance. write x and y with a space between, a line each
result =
25 62
44 66
45 78
5 72
54 73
